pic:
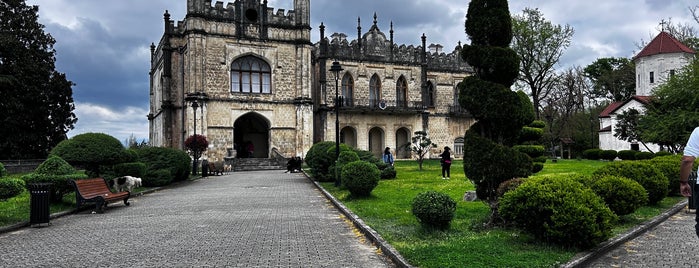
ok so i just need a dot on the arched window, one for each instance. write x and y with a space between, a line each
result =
430 94
374 91
348 90
401 92
250 74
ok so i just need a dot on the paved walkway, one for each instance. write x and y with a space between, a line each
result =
246 219
672 243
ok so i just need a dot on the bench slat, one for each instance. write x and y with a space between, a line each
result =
96 191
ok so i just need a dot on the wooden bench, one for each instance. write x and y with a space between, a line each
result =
96 191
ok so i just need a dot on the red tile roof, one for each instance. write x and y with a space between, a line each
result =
663 43
616 105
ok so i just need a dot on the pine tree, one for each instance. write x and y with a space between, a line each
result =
488 157
37 103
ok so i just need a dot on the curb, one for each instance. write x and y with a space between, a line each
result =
583 258
368 232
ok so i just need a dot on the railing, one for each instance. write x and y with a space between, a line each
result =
457 109
379 104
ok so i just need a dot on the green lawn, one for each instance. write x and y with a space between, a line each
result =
466 243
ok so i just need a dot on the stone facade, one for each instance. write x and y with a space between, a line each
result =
258 78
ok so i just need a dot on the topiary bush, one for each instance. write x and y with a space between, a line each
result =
644 155
135 169
360 177
536 167
622 195
592 154
669 166
10 187
532 151
558 210
608 155
157 177
54 165
509 185
662 153
388 173
627 154
156 158
645 174
318 159
434 209
91 150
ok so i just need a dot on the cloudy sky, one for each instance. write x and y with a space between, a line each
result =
103 46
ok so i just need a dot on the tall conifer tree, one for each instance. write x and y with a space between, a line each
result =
36 101
488 157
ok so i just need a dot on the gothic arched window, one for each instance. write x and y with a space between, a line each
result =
250 74
401 92
348 90
374 91
430 95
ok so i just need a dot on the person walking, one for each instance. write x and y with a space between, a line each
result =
691 152
387 156
446 163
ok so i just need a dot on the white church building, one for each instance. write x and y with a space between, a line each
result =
659 60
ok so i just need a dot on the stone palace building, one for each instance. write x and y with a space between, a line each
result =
257 78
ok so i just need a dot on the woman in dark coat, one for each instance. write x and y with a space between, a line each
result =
446 163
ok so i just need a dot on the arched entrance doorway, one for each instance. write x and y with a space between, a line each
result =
376 141
348 136
251 128
402 138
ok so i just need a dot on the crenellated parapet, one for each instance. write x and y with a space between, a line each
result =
250 11
375 46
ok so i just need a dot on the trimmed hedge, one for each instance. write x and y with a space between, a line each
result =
135 169
622 195
669 166
608 155
157 177
176 161
433 209
627 154
559 210
360 177
388 173
655 183
91 150
644 155
532 151
54 165
592 154
10 187
60 183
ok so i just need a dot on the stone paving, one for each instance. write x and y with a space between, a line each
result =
672 243
245 219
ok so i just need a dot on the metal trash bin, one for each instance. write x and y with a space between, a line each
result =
39 210
692 202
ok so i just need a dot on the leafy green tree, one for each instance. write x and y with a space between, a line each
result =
612 78
91 150
500 112
420 145
540 45
627 127
673 111
37 103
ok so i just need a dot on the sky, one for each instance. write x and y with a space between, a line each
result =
104 46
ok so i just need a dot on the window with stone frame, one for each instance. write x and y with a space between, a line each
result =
347 90
401 92
250 74
374 91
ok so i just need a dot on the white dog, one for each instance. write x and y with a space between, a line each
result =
126 183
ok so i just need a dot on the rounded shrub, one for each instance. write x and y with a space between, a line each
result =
319 160
60 184
532 151
135 169
608 155
537 166
91 150
592 154
537 124
558 210
669 166
156 158
360 177
509 185
10 187
157 177
645 174
388 173
530 133
627 155
644 155
541 159
434 209
54 165
622 195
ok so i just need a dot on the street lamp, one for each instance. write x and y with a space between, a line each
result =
336 68
195 105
